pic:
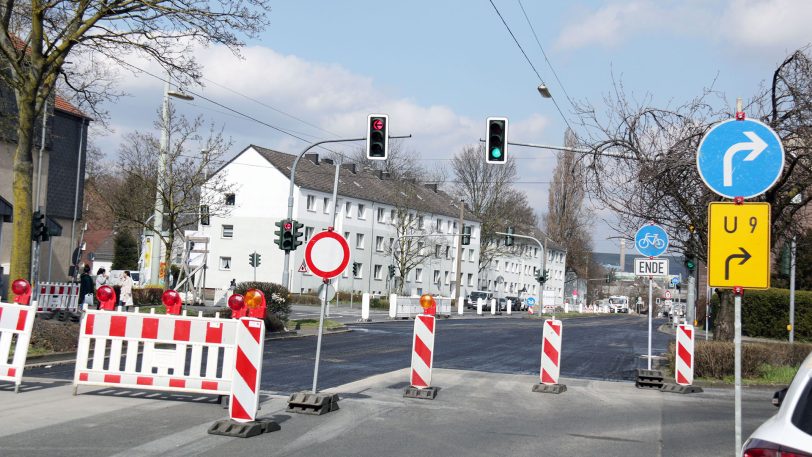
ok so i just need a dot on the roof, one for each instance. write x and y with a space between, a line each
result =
363 185
65 106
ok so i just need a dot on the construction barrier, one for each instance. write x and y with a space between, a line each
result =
58 296
16 322
551 351
685 355
158 352
408 307
422 351
247 368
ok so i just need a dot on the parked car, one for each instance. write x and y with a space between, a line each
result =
516 303
473 296
789 432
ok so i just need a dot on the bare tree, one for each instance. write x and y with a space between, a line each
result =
37 39
187 190
643 165
411 247
487 191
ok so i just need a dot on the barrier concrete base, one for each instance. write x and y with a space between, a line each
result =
680 389
314 404
649 379
364 320
549 388
426 393
228 427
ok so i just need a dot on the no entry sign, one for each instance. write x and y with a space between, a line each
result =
327 254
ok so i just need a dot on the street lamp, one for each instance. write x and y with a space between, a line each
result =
155 261
544 91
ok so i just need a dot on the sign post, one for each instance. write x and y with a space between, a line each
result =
739 158
651 241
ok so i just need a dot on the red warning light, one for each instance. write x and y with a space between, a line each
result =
377 124
288 226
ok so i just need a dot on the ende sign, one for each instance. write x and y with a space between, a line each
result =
651 267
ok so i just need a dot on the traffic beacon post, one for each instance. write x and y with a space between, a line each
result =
550 359
423 352
739 159
327 255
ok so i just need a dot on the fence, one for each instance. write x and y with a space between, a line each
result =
409 307
16 322
56 296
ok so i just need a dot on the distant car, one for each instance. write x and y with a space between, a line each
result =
789 432
515 303
477 294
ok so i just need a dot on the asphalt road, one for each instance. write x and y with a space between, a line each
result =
604 348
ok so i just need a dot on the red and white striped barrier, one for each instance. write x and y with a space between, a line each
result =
110 343
58 296
685 355
16 322
247 368
551 351
422 351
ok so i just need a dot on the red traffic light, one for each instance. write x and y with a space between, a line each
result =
288 226
377 124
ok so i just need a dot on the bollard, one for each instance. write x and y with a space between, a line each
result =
365 308
550 358
493 306
509 306
393 306
460 305
479 302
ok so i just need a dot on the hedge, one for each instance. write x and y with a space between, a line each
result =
715 359
765 313
277 298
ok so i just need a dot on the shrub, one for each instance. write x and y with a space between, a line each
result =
715 359
765 313
276 299
147 296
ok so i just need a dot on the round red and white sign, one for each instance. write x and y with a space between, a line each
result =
667 294
327 254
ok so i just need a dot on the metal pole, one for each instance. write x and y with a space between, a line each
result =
318 342
50 256
737 343
76 194
158 215
650 312
691 305
460 232
707 311
792 292
333 224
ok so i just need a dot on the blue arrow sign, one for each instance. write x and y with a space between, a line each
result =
651 240
674 281
740 158
530 301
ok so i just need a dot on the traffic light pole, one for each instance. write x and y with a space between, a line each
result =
286 266
543 260
461 232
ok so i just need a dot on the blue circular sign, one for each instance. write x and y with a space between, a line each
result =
530 301
674 281
740 158
651 240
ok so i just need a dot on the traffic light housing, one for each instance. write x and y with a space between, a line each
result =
542 277
391 271
280 234
690 263
496 140
297 234
509 237
466 235
285 234
377 136
355 266
39 230
254 259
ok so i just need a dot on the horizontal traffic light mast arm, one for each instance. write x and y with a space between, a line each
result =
566 149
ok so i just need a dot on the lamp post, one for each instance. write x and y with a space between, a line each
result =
155 263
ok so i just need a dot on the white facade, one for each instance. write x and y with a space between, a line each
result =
260 200
513 271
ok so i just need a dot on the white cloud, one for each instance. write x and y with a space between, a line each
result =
610 25
775 24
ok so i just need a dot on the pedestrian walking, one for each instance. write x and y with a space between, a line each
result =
86 288
127 290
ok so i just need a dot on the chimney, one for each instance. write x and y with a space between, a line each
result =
432 186
350 166
313 158
328 161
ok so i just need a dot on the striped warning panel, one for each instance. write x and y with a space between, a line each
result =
16 323
422 351
685 355
551 351
247 370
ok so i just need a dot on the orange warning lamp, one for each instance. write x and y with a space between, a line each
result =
171 299
107 298
255 302
22 291
428 304
237 304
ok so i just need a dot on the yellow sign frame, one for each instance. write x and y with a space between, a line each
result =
739 251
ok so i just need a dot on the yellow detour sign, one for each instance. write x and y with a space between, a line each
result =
739 245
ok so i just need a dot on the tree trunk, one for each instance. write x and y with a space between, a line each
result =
723 322
168 257
22 190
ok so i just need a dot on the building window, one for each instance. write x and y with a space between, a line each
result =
347 236
470 280
228 231
391 243
496 265
225 263
379 243
471 255
376 272
359 241
418 275
439 225
437 250
381 215
360 274
231 199
420 222
392 215
347 209
361 211
311 203
308 233
445 277
436 276
326 205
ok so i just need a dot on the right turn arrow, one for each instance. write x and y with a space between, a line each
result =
745 256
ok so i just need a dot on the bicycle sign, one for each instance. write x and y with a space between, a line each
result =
651 240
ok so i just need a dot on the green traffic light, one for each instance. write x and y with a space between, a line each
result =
496 153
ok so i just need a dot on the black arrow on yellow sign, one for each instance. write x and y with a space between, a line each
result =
745 256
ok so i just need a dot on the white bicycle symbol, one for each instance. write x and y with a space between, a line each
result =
651 239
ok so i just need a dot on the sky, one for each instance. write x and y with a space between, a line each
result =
440 68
